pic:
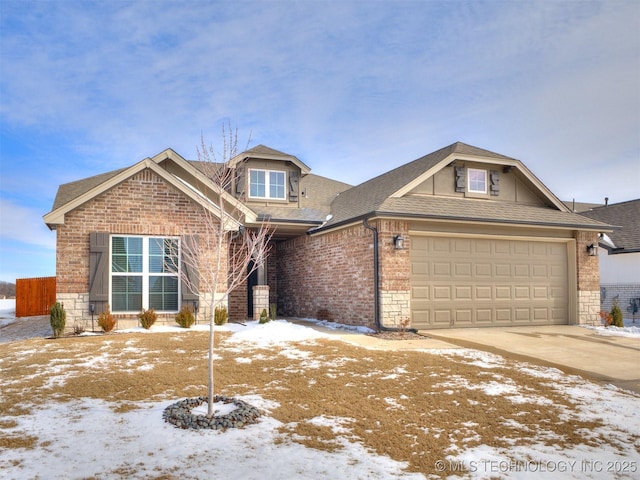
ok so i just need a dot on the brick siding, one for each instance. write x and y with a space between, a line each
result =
332 272
141 205
588 281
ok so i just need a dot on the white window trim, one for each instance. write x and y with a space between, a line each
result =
145 271
267 184
486 180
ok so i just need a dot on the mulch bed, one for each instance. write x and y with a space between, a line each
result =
398 336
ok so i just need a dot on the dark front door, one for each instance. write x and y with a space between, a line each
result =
251 281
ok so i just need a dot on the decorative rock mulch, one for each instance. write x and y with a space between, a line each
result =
179 414
383 335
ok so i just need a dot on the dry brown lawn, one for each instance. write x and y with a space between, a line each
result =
411 406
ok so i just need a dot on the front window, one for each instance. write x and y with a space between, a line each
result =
477 180
267 184
144 274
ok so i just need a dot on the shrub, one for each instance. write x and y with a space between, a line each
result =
616 315
57 318
272 310
147 318
606 318
264 317
78 328
106 320
403 325
185 317
220 316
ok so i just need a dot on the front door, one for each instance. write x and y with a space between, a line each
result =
251 282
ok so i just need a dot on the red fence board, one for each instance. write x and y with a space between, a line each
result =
35 296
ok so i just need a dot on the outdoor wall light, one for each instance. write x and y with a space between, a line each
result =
592 250
195 307
398 242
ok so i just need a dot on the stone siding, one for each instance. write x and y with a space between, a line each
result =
395 273
588 281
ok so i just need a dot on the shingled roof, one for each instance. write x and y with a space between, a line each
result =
625 215
381 196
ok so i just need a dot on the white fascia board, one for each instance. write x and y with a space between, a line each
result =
249 214
56 217
230 223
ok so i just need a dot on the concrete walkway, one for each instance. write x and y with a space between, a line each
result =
572 349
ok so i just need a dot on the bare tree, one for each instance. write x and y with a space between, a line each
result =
226 253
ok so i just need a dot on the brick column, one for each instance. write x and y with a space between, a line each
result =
588 271
395 274
260 300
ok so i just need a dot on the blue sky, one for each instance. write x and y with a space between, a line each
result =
352 88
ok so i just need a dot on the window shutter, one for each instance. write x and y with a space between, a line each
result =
98 267
294 177
461 179
240 181
494 176
190 244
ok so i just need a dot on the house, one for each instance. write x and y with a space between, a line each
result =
461 237
619 253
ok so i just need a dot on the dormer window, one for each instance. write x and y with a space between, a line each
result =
267 184
477 180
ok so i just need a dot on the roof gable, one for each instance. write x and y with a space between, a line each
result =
267 153
74 194
389 194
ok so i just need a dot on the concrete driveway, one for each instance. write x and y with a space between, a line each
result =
572 349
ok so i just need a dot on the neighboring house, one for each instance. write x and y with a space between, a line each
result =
461 237
619 252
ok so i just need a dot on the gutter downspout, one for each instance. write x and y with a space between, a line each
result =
376 283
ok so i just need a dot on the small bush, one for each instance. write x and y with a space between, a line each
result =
606 318
106 320
616 315
185 317
57 318
78 328
147 318
264 317
220 316
272 310
403 325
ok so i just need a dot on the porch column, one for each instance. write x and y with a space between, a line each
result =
260 300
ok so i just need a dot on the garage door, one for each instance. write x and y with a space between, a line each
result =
473 282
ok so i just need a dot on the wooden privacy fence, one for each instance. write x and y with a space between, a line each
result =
34 296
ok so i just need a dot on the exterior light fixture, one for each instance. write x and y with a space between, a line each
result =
398 242
592 250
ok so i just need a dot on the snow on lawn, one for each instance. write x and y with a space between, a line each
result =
86 438
7 311
631 329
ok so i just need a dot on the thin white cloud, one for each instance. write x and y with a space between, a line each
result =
352 88
24 225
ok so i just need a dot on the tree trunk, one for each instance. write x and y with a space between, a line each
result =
210 389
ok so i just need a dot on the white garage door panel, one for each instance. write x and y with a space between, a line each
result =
482 282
